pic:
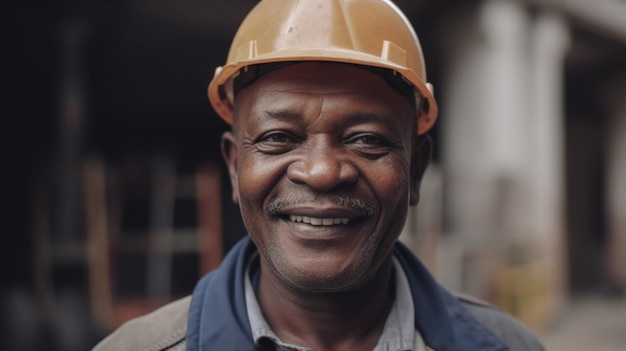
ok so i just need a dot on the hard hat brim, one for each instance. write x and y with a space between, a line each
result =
426 112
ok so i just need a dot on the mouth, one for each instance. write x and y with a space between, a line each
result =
319 221
331 212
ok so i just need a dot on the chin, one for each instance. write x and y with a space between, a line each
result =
316 278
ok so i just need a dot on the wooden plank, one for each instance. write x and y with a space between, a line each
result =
209 217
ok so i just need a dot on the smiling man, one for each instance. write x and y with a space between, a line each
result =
320 160
329 108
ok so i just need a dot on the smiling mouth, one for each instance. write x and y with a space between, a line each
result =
319 220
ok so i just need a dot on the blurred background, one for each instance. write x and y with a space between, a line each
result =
119 201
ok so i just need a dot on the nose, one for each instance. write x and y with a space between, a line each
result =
323 167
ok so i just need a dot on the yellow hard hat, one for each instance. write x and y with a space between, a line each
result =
372 33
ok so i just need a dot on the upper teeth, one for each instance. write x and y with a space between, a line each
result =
318 220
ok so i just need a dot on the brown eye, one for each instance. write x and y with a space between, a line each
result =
369 145
368 140
278 138
277 142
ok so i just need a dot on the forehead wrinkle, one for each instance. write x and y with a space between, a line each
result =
299 95
345 119
281 115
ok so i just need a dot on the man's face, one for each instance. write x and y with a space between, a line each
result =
324 162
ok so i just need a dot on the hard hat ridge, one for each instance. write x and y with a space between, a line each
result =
370 33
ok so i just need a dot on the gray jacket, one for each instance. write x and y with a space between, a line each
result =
166 328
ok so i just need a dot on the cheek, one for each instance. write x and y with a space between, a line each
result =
257 178
391 179
393 189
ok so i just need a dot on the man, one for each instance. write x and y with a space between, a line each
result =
329 105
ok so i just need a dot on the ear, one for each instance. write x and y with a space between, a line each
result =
420 157
229 153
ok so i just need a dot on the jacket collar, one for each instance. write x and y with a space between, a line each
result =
218 319
440 317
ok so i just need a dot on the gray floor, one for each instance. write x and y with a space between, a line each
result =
589 323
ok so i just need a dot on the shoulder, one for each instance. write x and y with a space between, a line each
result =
513 333
163 329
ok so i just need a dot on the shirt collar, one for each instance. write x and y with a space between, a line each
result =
399 333
218 318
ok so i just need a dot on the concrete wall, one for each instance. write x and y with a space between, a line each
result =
503 154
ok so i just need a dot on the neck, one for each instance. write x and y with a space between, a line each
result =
348 320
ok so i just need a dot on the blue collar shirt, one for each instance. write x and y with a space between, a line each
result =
399 333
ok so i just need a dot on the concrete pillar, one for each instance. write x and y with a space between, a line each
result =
550 41
485 109
503 153
546 158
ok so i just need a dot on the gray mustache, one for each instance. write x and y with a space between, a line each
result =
364 207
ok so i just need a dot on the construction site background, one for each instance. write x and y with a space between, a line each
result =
118 198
